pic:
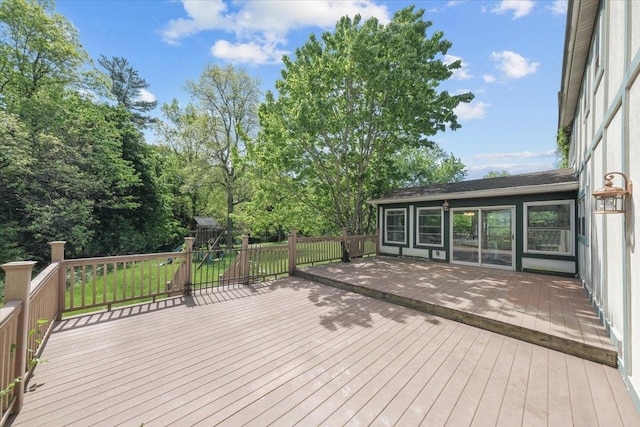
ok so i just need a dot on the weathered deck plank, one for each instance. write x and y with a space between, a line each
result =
295 352
541 309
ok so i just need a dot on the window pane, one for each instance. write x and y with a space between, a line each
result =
395 226
430 226
549 228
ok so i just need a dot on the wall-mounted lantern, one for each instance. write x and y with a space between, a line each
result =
610 199
445 206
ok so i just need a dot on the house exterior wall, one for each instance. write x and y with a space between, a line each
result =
606 138
523 260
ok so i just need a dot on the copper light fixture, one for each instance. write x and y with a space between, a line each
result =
445 206
610 199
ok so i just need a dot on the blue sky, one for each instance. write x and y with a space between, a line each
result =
511 51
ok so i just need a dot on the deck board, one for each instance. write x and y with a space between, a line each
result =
295 352
542 309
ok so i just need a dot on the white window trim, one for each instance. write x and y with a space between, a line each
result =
427 208
572 224
404 212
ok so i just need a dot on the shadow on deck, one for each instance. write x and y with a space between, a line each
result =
553 312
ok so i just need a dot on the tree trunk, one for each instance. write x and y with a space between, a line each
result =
229 219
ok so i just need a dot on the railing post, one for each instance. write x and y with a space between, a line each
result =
244 260
57 255
188 249
293 256
17 288
346 250
377 234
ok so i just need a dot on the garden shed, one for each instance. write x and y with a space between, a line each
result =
524 222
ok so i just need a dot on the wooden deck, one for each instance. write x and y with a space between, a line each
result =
546 310
295 352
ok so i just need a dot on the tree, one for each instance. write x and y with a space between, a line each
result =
413 167
348 103
185 133
39 49
496 174
72 168
14 157
229 99
127 87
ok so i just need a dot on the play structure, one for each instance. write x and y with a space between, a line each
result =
207 235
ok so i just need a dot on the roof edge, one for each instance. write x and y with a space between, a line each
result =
575 56
495 192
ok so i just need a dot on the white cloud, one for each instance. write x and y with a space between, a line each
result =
489 78
559 7
247 53
461 73
471 111
519 8
262 26
513 65
479 170
146 96
514 163
518 155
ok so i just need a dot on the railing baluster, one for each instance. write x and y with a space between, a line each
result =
94 283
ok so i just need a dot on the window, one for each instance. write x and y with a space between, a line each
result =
582 229
430 226
395 229
549 227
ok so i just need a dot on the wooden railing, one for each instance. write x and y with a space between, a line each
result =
105 282
43 309
313 250
31 307
73 286
268 261
8 372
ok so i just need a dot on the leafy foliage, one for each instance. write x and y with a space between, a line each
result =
127 87
563 143
227 99
72 167
348 104
496 174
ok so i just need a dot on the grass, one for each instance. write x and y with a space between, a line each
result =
105 285
109 285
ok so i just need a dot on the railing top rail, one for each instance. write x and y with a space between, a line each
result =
319 239
8 311
43 277
270 247
122 258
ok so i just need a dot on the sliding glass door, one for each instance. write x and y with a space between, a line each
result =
465 240
497 246
483 236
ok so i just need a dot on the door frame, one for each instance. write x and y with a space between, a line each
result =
480 209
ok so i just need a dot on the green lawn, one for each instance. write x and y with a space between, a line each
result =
105 284
125 283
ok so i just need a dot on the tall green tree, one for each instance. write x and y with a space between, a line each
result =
348 103
229 99
413 167
184 132
75 168
14 159
127 87
39 49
